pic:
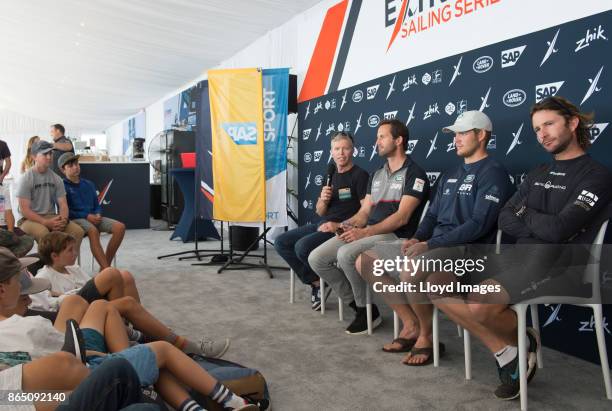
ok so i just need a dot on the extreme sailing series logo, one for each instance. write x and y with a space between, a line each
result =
411 17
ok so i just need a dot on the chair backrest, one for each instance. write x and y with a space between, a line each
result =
425 207
592 272
498 239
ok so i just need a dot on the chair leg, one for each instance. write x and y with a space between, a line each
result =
291 286
340 310
601 344
467 352
395 325
436 337
521 314
369 309
459 331
322 285
535 321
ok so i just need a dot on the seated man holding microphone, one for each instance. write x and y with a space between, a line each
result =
341 197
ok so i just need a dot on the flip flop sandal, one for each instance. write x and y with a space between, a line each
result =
428 351
406 345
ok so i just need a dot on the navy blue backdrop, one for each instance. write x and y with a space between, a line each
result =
504 80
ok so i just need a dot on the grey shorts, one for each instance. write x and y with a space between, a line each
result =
105 226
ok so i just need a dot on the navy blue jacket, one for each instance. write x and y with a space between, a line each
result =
82 199
466 205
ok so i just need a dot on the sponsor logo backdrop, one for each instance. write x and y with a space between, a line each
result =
504 80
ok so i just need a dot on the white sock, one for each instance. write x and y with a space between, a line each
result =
506 355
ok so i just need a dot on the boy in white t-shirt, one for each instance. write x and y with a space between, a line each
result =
57 251
157 363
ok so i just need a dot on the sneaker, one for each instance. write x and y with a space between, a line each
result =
360 323
316 297
134 335
214 349
73 340
509 388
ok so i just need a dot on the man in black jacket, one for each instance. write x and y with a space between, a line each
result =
553 206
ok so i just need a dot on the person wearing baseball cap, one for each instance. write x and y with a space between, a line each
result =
19 245
11 266
463 210
85 211
42 198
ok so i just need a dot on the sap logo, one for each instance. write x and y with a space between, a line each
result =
492 144
390 115
317 155
241 133
597 34
426 79
483 64
373 120
319 179
411 145
450 108
433 177
395 186
489 197
371 91
515 97
465 187
593 87
543 91
596 131
357 96
307 157
589 326
412 81
510 57
306 134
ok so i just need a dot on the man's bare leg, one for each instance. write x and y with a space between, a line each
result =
73 307
109 283
129 285
117 234
96 247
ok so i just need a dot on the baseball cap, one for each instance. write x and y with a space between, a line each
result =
11 265
470 120
32 285
66 158
41 147
18 245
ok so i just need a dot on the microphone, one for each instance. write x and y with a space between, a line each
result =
331 170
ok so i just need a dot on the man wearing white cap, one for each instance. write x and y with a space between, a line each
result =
463 210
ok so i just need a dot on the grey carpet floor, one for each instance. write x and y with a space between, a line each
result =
309 361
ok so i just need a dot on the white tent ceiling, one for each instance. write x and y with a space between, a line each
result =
93 63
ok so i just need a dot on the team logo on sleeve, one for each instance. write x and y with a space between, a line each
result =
586 199
419 185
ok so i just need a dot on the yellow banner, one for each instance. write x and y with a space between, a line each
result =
236 112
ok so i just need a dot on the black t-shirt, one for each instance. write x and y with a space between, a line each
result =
562 199
57 153
348 189
386 190
4 153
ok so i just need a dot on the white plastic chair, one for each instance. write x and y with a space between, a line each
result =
93 258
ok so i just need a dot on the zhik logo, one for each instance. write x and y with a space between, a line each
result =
241 133
543 91
551 48
510 57
589 326
593 88
598 33
596 131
